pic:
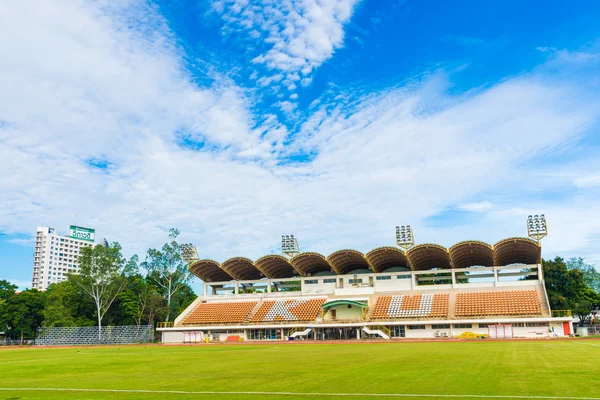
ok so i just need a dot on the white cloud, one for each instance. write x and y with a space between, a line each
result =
480 206
301 34
394 157
588 181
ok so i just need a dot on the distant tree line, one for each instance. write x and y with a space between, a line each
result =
572 285
109 290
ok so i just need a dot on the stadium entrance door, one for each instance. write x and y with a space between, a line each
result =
341 333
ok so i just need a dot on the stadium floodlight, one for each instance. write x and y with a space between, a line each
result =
537 227
289 245
404 237
189 253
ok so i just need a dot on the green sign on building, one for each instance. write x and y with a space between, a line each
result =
77 232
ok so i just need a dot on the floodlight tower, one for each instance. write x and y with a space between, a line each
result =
536 227
404 237
289 245
189 253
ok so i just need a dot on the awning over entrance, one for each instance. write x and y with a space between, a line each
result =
335 303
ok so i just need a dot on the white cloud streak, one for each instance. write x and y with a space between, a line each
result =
120 94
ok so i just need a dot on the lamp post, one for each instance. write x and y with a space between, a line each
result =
189 253
289 245
404 237
537 227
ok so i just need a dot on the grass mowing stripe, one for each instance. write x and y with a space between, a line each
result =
184 392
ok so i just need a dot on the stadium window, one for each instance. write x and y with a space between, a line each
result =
518 325
264 334
537 324
416 327
440 326
463 326
329 280
355 281
311 281
384 278
403 277
483 325
397 331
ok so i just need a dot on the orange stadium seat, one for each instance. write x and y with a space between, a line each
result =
509 302
411 306
217 313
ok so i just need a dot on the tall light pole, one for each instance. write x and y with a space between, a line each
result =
289 245
537 227
189 253
404 237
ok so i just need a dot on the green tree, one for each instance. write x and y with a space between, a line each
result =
591 276
57 311
23 313
182 299
562 284
167 269
7 289
102 276
587 300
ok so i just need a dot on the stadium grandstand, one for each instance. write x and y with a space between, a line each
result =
422 291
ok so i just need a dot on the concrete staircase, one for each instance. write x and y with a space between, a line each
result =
541 291
452 304
375 332
254 310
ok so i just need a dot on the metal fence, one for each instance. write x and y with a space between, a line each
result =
589 329
88 335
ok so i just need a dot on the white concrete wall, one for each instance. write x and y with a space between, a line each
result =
558 328
319 288
393 284
172 337
343 312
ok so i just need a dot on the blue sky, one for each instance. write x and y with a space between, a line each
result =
335 120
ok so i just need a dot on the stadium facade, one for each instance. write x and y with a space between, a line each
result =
428 291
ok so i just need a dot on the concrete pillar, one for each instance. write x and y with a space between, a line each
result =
413 281
453 279
495 276
357 333
268 286
237 288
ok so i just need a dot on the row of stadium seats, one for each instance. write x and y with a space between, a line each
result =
268 311
228 313
469 304
509 302
410 306
288 310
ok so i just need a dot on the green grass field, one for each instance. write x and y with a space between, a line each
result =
559 369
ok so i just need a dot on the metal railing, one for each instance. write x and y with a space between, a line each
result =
164 324
562 313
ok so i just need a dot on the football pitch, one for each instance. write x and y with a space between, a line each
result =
557 369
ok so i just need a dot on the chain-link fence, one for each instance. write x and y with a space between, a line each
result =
89 335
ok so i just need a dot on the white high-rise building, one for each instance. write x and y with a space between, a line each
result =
56 255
